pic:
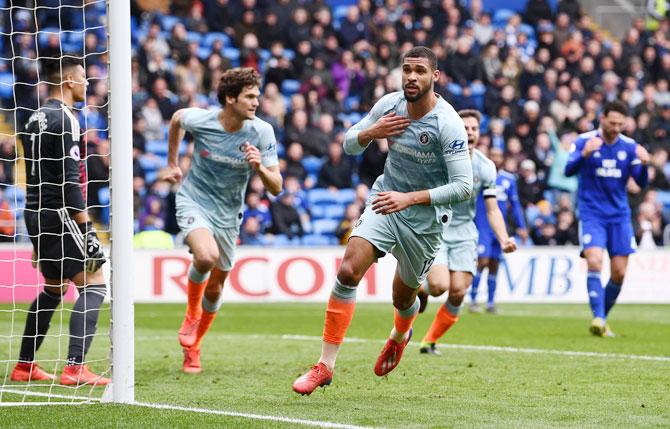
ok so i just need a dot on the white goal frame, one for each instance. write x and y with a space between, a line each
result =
122 388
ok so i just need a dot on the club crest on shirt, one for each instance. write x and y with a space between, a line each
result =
596 154
621 155
423 138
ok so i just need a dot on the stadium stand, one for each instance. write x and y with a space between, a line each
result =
539 70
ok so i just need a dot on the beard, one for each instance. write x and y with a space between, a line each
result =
419 94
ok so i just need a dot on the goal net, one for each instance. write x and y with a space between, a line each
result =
33 32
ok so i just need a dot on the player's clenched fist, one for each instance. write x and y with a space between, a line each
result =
509 245
173 174
389 125
252 155
642 154
592 145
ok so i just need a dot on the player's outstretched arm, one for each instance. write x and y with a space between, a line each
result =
175 136
498 226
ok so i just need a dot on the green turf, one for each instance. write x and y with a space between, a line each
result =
249 368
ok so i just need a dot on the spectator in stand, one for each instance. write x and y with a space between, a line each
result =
372 162
336 172
259 212
285 218
293 165
649 226
7 216
351 215
251 234
529 186
566 229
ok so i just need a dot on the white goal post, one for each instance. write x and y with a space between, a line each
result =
120 95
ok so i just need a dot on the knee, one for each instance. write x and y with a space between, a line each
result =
457 294
438 286
348 274
594 262
403 302
206 260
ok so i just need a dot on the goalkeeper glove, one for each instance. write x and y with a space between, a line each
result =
95 256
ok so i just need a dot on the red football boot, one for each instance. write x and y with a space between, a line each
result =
30 371
188 332
75 375
390 356
319 375
192 361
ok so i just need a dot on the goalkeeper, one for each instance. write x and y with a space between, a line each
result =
65 246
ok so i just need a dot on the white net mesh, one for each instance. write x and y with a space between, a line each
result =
30 32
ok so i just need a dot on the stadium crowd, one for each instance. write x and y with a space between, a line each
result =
539 76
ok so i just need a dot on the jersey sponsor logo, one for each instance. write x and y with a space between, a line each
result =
233 162
622 155
608 169
419 156
456 146
74 153
423 138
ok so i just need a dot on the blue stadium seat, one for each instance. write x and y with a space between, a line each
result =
290 87
150 177
15 197
318 211
321 196
210 38
502 15
324 226
346 196
334 211
289 54
204 52
283 240
233 54
157 147
167 22
103 198
663 197
6 86
44 33
454 88
193 36
151 163
316 240
312 164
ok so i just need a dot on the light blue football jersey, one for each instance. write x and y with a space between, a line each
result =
418 158
462 226
219 173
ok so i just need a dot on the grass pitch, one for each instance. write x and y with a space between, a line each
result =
254 352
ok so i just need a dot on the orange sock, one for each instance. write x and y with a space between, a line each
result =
194 305
196 288
441 324
339 312
206 321
403 322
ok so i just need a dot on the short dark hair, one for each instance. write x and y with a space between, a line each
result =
470 113
51 67
615 106
422 52
235 80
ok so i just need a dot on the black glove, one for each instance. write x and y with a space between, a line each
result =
95 256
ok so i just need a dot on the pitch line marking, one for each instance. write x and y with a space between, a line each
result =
251 416
502 349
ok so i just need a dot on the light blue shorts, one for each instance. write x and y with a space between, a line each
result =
415 253
459 248
191 217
